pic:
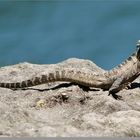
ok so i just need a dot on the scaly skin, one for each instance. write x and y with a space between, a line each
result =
113 80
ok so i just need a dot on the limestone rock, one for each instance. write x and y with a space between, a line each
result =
67 110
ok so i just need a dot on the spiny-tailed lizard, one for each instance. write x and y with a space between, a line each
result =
113 80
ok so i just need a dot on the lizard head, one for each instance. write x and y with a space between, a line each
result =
138 50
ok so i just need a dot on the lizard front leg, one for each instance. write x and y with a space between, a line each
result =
116 87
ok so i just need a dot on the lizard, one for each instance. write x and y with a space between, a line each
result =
113 80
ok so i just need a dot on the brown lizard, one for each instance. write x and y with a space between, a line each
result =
113 80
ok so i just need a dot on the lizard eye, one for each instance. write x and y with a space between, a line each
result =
138 44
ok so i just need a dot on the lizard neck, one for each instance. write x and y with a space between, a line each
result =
129 64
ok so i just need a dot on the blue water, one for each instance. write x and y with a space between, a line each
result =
104 31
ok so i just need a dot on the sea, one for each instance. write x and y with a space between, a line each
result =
51 31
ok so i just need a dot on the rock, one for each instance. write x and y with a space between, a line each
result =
66 111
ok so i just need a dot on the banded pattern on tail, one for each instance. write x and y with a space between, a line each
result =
50 77
69 75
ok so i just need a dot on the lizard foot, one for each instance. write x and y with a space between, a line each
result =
115 96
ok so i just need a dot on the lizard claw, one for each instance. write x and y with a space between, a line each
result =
115 96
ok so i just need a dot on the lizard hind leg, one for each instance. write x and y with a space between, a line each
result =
116 87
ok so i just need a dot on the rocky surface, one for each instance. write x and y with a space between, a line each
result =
65 109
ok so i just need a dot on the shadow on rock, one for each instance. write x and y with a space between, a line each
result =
84 88
134 85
